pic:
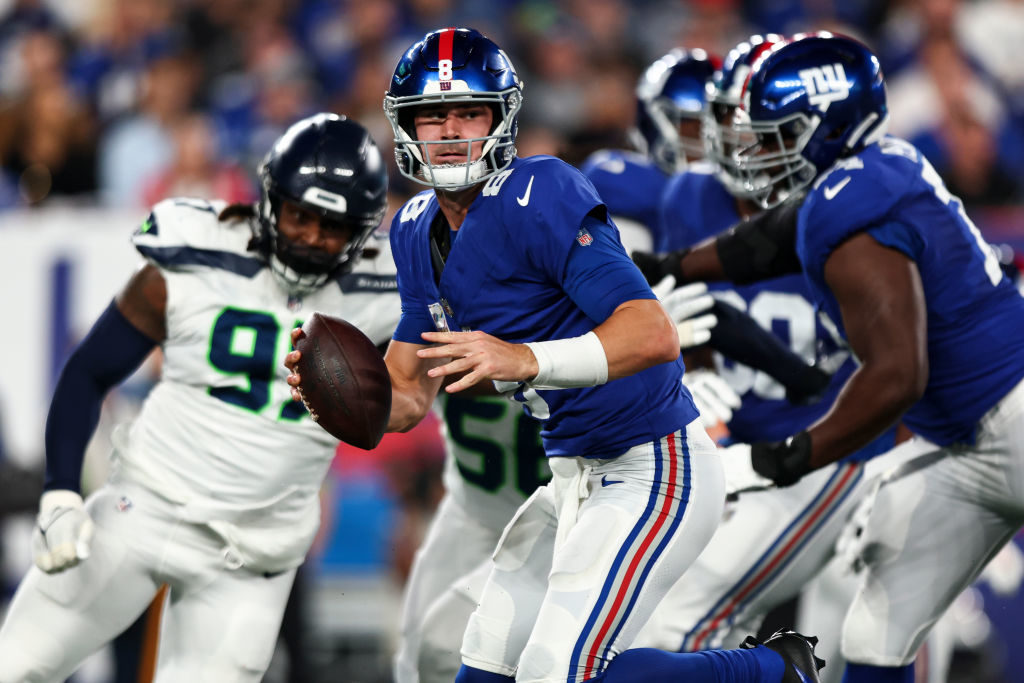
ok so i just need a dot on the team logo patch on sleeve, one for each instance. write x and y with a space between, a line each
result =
584 238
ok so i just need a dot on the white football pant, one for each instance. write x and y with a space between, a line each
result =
220 624
586 559
930 533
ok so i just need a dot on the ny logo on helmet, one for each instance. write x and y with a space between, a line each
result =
825 84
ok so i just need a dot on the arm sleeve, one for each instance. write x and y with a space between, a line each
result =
113 350
599 275
739 337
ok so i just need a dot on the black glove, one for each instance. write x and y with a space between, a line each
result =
784 462
656 266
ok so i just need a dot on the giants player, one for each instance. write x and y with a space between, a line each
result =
771 542
215 486
495 459
894 260
521 252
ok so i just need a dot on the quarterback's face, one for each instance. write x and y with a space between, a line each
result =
301 226
437 123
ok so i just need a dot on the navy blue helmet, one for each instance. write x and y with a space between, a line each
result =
807 103
670 92
454 65
723 98
329 165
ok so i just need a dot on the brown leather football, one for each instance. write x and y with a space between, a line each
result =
345 383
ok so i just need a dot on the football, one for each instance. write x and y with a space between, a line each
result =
345 384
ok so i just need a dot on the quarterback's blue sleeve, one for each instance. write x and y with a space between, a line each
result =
415 314
412 323
599 276
113 350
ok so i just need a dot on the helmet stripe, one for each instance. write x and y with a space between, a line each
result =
444 45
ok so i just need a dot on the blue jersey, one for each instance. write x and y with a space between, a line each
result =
975 316
695 206
536 259
630 185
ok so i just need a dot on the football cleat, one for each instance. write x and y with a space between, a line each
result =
797 651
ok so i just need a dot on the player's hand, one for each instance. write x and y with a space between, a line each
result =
715 399
480 356
63 531
656 266
291 361
784 462
740 476
689 307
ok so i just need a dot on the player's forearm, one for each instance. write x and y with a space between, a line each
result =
873 399
412 391
636 336
111 351
757 248
407 410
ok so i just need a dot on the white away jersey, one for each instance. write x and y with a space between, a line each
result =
220 431
494 458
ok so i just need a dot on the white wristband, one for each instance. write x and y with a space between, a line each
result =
570 363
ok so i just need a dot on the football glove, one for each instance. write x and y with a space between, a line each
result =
715 399
655 267
784 462
740 476
689 307
63 531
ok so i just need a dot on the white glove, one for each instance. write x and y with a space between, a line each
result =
684 305
63 531
739 473
715 399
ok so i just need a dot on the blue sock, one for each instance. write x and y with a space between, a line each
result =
468 674
641 665
865 673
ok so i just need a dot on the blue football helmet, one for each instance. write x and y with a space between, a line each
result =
723 98
807 103
671 92
329 165
454 65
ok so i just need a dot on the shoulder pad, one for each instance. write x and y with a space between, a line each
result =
861 190
611 161
182 234
415 206
541 182
377 256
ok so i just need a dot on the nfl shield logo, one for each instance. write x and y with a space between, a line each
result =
584 238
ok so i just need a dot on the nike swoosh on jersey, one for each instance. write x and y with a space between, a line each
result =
831 192
605 481
525 199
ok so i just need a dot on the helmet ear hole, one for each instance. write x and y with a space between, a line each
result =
837 133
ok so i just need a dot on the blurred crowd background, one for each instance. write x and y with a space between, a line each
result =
122 102
108 106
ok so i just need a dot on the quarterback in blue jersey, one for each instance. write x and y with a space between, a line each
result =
891 257
518 257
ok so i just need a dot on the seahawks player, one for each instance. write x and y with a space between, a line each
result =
215 486
894 260
519 257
